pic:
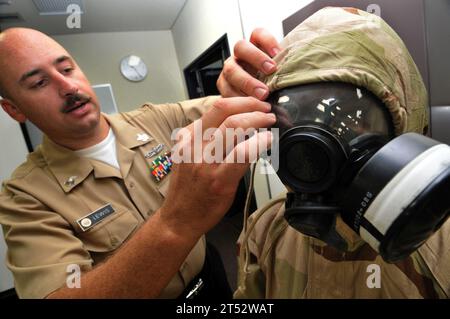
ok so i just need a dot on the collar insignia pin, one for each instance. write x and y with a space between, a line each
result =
70 181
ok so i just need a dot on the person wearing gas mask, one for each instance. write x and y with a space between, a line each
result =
367 202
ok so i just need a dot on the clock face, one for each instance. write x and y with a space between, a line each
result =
133 68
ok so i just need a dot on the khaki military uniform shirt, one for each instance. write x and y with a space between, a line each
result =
283 263
41 203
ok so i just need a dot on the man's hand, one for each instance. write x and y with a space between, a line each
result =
201 193
239 71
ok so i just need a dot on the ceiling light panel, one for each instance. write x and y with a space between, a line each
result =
56 7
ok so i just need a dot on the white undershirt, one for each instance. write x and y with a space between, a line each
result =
105 151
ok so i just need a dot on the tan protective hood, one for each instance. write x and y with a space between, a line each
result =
353 46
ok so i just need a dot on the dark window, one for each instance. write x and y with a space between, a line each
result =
202 74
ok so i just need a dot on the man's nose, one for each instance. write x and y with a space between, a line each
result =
66 85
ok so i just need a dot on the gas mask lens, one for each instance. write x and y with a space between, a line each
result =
338 155
320 126
315 162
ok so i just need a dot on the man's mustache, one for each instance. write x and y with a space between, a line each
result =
74 101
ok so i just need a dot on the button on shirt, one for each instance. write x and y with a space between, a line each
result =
43 205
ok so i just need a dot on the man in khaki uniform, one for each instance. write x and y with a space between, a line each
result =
276 261
99 183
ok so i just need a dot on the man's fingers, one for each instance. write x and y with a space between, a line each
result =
237 128
238 161
246 121
264 40
239 71
224 108
242 81
226 90
258 59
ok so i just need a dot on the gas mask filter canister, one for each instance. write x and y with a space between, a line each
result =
338 155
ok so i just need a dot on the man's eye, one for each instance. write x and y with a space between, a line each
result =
39 84
68 70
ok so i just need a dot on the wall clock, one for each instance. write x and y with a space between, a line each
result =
133 68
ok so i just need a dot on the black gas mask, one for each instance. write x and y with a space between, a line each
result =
339 156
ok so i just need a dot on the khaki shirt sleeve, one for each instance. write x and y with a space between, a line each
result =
41 245
177 115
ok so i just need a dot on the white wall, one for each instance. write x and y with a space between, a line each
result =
268 14
99 55
14 152
201 23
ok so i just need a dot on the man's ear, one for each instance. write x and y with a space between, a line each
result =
12 110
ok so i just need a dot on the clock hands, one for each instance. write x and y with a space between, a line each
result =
137 71
133 68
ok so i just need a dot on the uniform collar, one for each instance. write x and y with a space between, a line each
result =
128 137
126 134
70 170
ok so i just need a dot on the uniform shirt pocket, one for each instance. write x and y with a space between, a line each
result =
111 233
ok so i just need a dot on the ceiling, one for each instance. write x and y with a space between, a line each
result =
98 16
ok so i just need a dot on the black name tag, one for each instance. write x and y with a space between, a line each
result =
89 221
